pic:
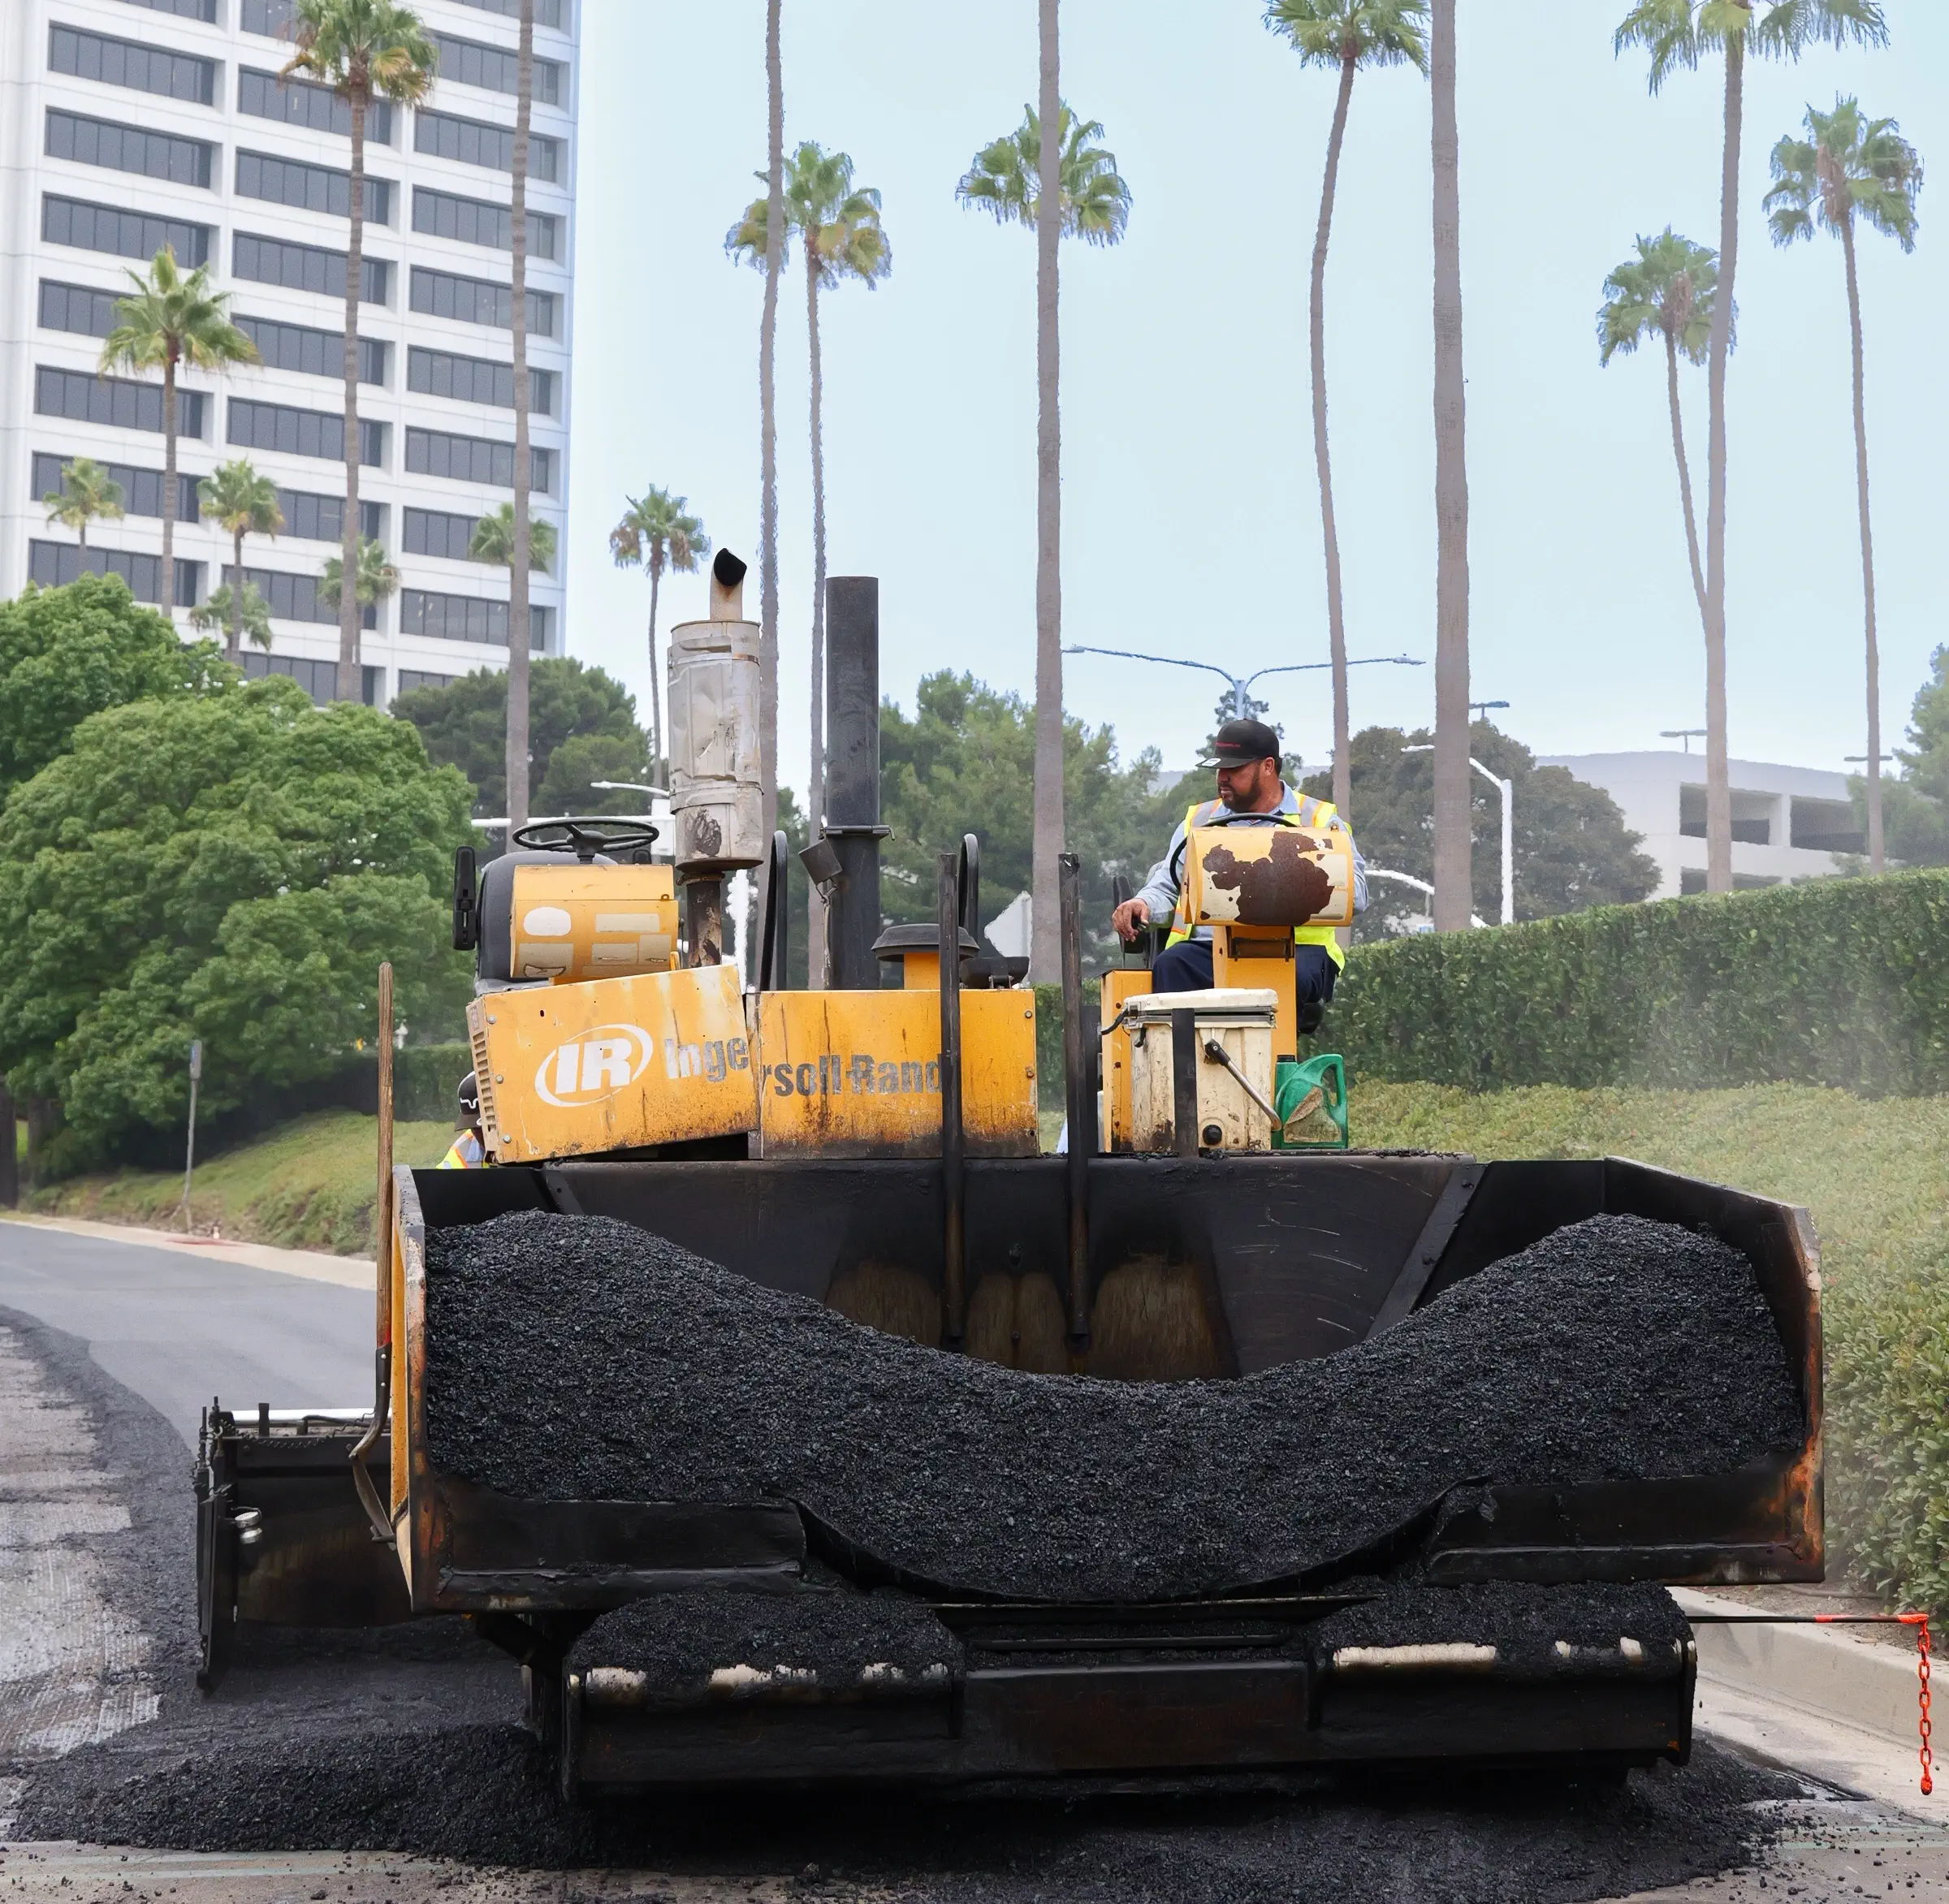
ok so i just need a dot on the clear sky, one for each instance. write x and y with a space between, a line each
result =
1190 513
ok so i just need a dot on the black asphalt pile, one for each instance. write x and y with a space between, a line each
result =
578 1357
1525 1624
680 1639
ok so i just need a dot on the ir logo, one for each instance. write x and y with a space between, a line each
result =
598 1063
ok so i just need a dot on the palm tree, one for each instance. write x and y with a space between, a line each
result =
1680 33
767 407
520 558
364 50
1850 166
239 611
839 229
1669 290
1453 812
656 531
1348 34
497 538
1012 178
87 491
241 503
167 321
373 579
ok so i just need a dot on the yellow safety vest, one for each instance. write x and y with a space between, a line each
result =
1314 814
466 1152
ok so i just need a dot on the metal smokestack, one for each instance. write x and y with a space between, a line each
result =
852 818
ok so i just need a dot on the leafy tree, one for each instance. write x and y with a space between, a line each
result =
166 321
364 50
1680 33
1013 178
245 612
839 231
1847 167
1348 35
1669 291
465 725
87 491
70 652
493 540
1916 805
658 531
962 763
231 866
375 579
1571 847
240 503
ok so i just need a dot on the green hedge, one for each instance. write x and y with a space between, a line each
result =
1836 981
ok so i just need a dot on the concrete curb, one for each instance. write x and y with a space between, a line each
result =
352 1272
1825 1670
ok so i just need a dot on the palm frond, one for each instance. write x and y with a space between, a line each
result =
1367 32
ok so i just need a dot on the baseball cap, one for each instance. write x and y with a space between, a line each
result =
1238 742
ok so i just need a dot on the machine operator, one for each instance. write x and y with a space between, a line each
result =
1251 793
468 1150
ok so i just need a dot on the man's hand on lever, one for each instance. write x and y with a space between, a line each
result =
1130 918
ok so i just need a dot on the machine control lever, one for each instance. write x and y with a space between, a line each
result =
1215 1053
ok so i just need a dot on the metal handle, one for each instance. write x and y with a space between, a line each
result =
1216 1054
1081 1106
954 1229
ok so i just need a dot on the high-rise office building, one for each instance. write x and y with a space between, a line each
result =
128 124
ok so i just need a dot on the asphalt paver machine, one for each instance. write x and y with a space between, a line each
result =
873 1145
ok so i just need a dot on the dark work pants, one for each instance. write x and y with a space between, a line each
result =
1187 967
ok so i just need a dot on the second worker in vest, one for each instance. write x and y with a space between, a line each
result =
1251 793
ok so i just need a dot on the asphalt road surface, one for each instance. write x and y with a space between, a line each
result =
178 1328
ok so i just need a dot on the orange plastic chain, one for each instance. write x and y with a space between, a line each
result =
1919 1622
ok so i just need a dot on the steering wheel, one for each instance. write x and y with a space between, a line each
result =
587 837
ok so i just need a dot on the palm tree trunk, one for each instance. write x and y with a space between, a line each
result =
1045 950
165 582
348 689
1336 620
815 905
234 647
1718 783
656 699
1454 813
1877 856
767 344
524 471
1678 446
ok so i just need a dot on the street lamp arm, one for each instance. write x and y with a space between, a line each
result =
1167 660
1301 667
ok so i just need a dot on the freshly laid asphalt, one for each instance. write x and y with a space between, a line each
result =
178 1329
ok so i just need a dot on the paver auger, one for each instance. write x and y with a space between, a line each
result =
873 1147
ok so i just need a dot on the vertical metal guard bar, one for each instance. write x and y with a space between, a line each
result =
1082 1111
954 1288
381 1360
1184 1083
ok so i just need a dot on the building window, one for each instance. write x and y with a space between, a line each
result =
292 432
478 300
203 9
81 397
496 69
311 518
273 18
319 678
295 598
1825 826
477 220
121 234
313 188
78 307
467 618
55 564
298 103
419 677
472 458
548 13
475 143
433 532
125 63
305 267
141 489
312 353
475 380
127 148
